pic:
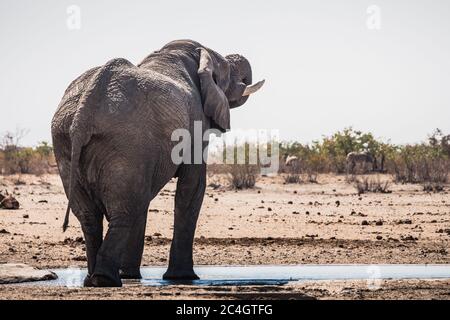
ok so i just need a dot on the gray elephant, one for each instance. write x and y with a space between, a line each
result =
112 141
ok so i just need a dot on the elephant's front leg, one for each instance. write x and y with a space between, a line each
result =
188 200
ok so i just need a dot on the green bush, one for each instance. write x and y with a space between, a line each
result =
330 153
15 159
427 162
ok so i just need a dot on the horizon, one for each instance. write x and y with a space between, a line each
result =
284 141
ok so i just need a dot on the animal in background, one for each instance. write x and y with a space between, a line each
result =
360 158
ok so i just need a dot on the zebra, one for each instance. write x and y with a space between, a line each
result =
360 157
291 161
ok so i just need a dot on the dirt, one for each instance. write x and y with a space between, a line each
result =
274 223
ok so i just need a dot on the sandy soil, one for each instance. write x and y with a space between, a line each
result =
271 224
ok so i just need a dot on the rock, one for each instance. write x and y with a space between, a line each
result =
157 234
379 223
9 202
80 258
409 238
26 216
364 223
18 272
4 231
215 186
379 238
408 221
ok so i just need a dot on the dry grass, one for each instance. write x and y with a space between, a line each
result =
242 176
375 185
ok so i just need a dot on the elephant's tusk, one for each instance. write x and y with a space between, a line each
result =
253 88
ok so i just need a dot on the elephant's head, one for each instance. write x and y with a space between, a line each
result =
240 86
225 83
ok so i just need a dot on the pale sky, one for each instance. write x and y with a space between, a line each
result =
325 69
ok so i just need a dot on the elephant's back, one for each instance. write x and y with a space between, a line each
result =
126 95
69 103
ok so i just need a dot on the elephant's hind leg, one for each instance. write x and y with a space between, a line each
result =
131 259
92 226
125 212
106 272
91 220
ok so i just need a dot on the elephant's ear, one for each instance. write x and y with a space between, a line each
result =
215 103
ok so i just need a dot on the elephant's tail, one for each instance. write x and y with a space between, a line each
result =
82 127
80 136
74 175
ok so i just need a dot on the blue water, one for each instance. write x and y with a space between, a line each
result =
270 275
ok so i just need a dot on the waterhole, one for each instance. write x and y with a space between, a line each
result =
268 275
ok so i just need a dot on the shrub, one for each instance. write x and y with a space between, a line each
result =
16 159
292 178
421 163
242 176
330 153
367 184
426 163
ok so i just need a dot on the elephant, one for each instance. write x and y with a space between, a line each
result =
360 157
112 138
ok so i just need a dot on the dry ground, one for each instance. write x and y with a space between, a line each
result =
271 224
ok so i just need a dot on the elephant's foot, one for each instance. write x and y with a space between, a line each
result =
87 281
101 281
180 275
130 273
106 273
